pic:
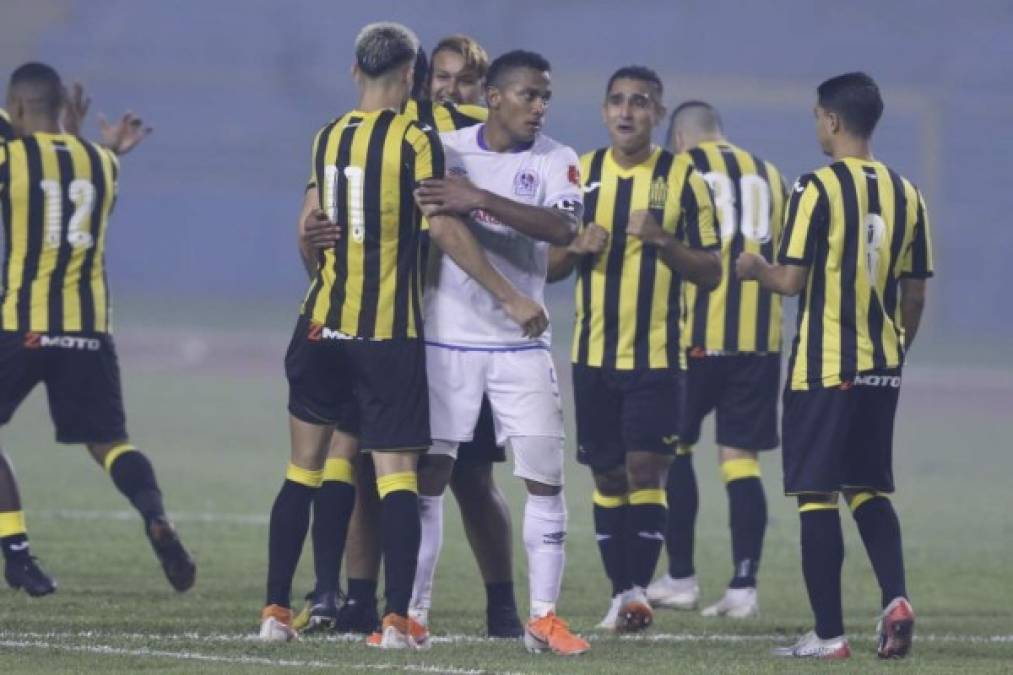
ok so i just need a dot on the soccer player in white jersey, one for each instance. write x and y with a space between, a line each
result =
519 191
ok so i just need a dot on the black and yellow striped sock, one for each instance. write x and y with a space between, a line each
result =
747 518
645 533
134 476
13 535
683 503
332 510
822 558
880 530
402 531
609 522
290 519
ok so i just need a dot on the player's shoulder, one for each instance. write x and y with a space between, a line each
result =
460 139
549 147
6 131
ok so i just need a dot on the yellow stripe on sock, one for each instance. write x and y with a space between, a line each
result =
115 454
392 482
608 501
307 477
11 523
684 449
338 469
826 502
737 469
652 496
857 499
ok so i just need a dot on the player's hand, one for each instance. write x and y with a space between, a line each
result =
75 108
527 314
590 240
644 227
748 265
125 134
318 232
449 195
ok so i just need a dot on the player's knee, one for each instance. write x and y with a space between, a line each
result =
538 459
472 480
821 501
612 483
646 470
858 498
434 474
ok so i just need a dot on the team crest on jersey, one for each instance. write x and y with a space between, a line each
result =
458 171
659 194
525 183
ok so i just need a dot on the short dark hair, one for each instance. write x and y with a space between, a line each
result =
48 88
855 97
711 119
382 47
640 73
518 58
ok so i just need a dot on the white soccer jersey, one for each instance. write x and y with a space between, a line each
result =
458 311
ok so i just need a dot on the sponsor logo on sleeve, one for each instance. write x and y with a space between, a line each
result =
573 174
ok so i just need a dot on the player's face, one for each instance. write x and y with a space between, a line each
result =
519 104
453 81
631 112
824 129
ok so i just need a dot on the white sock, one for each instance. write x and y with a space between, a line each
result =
431 517
544 539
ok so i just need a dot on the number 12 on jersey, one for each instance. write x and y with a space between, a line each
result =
356 208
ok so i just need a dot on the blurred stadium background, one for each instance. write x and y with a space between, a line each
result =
207 283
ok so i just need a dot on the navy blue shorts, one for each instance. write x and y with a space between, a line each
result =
742 389
620 410
841 437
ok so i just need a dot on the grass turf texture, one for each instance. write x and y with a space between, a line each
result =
213 421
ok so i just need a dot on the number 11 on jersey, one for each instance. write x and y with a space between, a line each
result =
356 208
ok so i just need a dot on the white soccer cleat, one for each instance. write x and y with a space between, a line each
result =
635 613
276 624
611 620
810 646
674 593
736 603
419 615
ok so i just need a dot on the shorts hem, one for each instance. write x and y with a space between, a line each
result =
756 447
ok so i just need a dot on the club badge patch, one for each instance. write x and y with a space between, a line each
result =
525 183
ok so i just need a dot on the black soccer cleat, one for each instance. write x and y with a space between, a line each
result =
323 614
502 622
356 616
179 567
24 572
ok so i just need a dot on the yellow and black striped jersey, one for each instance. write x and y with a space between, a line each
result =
859 227
6 130
445 116
627 298
749 198
56 194
367 164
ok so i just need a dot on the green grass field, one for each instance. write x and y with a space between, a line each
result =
209 409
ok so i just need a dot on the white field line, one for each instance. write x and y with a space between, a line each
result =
238 660
178 517
239 638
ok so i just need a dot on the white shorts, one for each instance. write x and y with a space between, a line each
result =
521 386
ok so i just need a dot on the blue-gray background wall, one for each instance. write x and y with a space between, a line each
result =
235 90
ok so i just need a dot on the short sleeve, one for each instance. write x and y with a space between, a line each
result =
697 205
917 262
311 182
805 219
562 181
426 155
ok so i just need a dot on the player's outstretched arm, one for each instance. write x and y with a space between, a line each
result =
702 267
125 134
592 239
453 237
912 302
75 108
786 280
315 232
459 196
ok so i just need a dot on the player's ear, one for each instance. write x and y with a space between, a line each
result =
834 122
493 97
660 112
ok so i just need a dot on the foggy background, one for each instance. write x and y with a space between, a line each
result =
236 90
